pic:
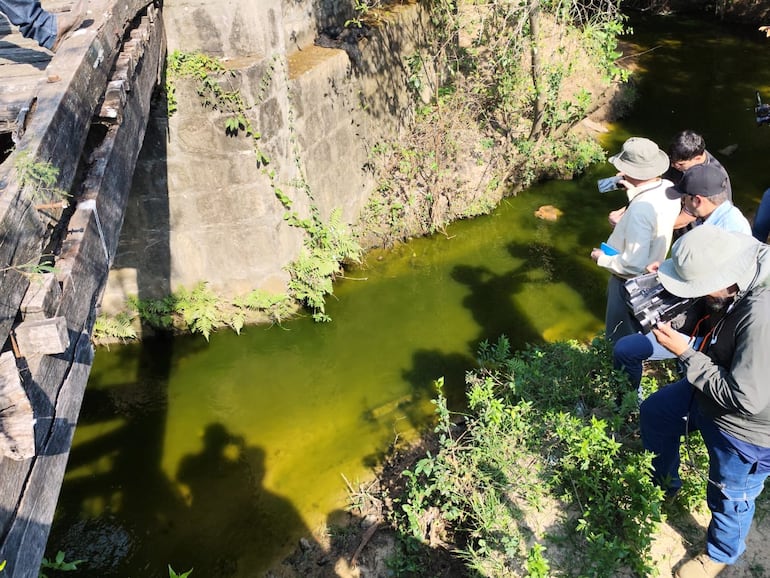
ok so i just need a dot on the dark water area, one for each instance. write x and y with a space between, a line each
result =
220 455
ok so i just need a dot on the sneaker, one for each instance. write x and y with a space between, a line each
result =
700 567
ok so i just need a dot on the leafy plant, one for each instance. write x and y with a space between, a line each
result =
327 246
33 268
58 563
157 313
276 306
366 13
199 309
173 574
118 327
209 75
532 435
39 179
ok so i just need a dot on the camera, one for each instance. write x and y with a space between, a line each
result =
650 303
762 111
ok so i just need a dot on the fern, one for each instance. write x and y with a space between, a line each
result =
199 309
118 327
158 313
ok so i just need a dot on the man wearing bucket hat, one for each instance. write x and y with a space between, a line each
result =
705 196
725 393
643 233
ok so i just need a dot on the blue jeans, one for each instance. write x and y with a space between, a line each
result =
630 351
733 482
761 227
628 354
32 20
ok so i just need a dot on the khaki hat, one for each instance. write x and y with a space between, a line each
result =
640 159
708 259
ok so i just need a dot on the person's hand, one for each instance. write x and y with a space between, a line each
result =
653 267
766 30
615 216
596 253
670 339
684 218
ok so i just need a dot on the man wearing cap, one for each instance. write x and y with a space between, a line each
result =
704 196
643 233
725 393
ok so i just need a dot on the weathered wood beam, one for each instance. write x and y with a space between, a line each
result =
55 131
55 383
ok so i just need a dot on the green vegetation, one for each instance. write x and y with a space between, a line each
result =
59 564
367 13
327 246
509 80
38 179
210 75
173 574
198 310
33 268
544 474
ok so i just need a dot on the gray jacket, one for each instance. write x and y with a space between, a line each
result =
732 376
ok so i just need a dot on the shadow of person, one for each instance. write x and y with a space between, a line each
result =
233 526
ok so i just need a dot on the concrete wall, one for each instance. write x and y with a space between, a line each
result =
200 207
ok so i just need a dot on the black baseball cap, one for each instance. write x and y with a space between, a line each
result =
704 180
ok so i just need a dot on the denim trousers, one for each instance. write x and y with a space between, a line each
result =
733 483
761 227
630 351
32 20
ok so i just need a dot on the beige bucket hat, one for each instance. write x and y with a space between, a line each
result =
708 259
640 159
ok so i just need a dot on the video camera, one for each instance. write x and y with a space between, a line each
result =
762 111
650 303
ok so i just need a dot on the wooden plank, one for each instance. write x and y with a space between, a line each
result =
55 386
17 437
63 107
42 298
30 488
40 477
115 161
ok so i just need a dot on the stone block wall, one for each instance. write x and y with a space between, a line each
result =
201 209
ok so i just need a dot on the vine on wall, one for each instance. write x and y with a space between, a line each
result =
327 244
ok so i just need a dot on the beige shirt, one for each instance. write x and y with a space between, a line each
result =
643 234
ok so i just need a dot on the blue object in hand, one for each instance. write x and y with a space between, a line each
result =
609 184
608 250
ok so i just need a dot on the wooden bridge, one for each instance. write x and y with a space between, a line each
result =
71 127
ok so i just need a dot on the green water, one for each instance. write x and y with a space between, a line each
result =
220 455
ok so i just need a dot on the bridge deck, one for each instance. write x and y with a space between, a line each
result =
82 112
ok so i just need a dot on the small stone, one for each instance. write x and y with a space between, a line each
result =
548 213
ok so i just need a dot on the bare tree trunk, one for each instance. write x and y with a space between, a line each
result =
533 7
